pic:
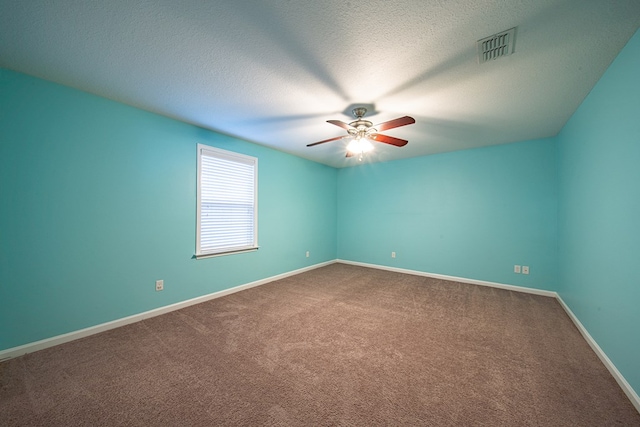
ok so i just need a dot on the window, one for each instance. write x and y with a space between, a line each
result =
227 202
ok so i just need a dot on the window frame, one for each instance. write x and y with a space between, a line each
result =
206 150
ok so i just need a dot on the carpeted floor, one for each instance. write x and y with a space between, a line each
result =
339 345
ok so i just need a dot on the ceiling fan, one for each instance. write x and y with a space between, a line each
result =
363 130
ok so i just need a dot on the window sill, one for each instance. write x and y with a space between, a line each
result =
217 254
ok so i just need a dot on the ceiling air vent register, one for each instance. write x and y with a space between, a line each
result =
496 46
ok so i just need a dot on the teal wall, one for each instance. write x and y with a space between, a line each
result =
473 213
599 212
99 201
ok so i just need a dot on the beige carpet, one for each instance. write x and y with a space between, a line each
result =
339 345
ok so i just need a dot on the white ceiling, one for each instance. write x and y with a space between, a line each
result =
272 72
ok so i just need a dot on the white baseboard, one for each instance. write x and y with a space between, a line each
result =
71 336
60 339
622 382
454 278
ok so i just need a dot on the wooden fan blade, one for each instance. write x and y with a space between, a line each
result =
326 140
389 140
338 123
396 123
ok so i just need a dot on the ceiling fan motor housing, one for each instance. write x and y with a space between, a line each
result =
361 128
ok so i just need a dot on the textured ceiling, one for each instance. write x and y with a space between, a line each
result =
272 72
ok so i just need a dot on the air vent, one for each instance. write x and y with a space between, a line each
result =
496 46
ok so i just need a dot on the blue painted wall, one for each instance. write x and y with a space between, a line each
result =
473 213
599 212
99 201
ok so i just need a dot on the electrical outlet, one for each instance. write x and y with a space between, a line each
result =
159 285
525 269
307 254
516 269
393 254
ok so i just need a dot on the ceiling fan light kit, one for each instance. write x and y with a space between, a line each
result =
359 145
363 131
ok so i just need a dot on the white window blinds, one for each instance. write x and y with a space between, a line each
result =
227 202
